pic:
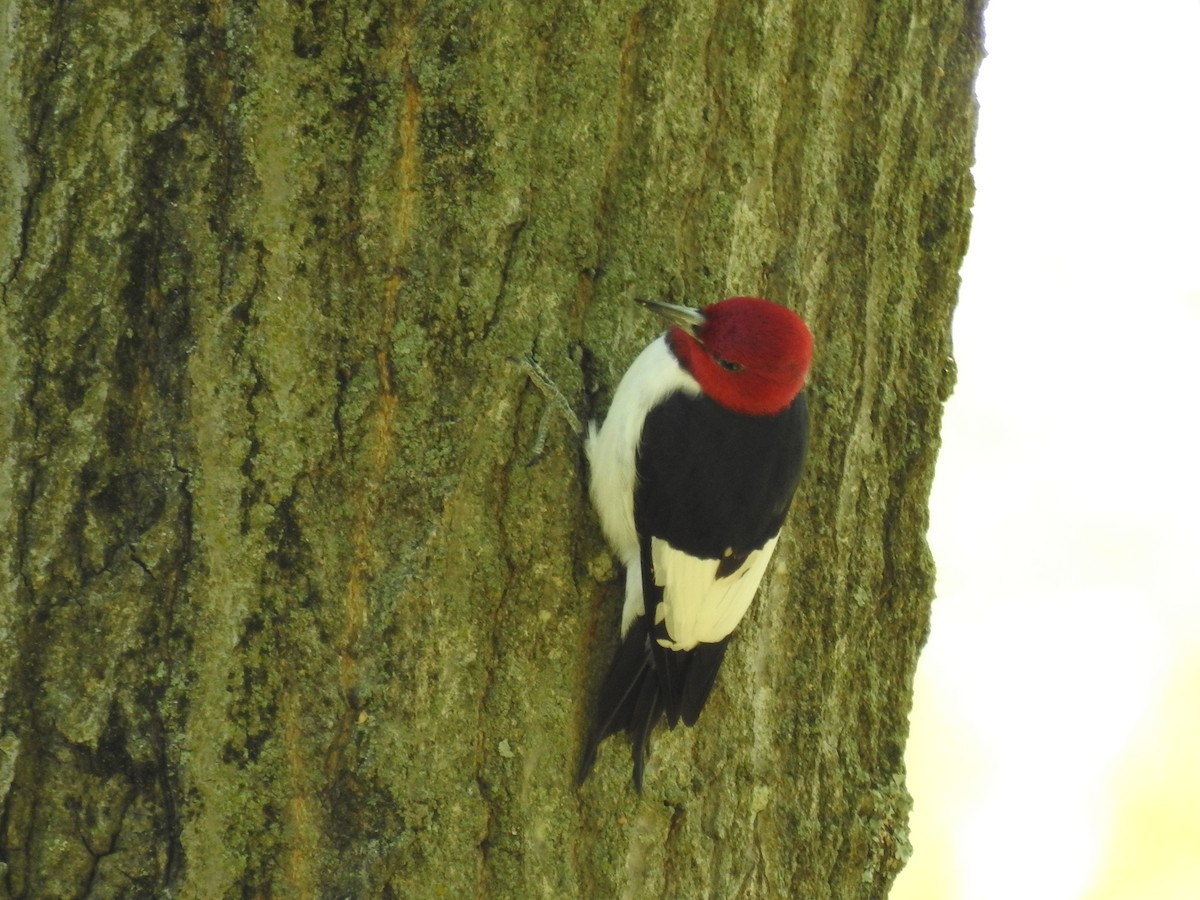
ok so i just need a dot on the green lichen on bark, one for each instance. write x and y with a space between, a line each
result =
284 611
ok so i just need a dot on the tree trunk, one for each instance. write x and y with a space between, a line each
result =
285 611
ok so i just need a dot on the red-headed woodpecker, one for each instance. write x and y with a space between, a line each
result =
692 474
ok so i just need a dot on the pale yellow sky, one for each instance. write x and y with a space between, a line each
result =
1055 742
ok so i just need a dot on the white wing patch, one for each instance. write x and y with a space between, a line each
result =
697 606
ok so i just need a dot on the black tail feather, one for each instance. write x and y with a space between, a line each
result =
702 667
645 681
630 667
646 713
671 666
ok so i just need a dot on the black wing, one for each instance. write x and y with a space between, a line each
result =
709 481
716 485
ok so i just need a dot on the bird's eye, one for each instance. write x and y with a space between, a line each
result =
729 365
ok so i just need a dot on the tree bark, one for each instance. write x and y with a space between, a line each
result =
284 610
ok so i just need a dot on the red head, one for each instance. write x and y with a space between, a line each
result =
749 355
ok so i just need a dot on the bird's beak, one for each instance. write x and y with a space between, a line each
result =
685 317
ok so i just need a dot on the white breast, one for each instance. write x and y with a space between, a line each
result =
612 456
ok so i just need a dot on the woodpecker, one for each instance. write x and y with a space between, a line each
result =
692 475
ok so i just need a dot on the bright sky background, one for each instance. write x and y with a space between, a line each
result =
1055 751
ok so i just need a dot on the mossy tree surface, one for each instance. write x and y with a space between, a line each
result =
283 611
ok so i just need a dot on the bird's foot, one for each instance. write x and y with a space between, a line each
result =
555 400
